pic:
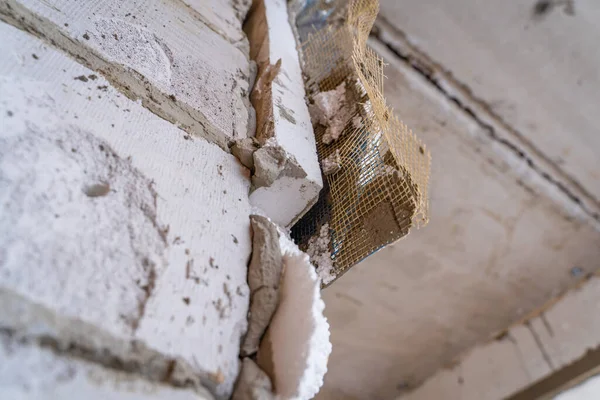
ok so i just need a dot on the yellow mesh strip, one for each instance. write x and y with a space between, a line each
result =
381 190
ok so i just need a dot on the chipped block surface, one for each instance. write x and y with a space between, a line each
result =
526 354
290 197
153 50
28 372
113 216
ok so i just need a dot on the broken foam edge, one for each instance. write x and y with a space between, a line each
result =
295 349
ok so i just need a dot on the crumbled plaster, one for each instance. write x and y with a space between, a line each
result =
264 274
253 383
296 347
332 164
332 110
320 255
244 150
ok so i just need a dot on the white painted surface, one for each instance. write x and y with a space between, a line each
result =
529 352
538 74
83 258
497 246
289 198
154 50
28 372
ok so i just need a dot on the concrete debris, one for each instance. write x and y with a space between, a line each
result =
320 255
296 347
332 110
253 383
244 149
332 164
269 163
264 274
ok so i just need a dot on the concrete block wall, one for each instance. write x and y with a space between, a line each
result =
155 51
124 229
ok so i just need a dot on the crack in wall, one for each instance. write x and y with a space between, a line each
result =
428 68
540 345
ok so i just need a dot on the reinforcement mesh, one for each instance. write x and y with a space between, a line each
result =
380 189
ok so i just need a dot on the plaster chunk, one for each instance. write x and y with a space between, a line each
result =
269 163
264 274
333 110
320 255
253 383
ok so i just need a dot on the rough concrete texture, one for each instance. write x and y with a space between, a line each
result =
497 246
528 352
30 372
117 224
283 113
152 50
296 347
253 383
264 275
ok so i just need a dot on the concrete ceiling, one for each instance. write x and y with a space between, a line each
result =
505 97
